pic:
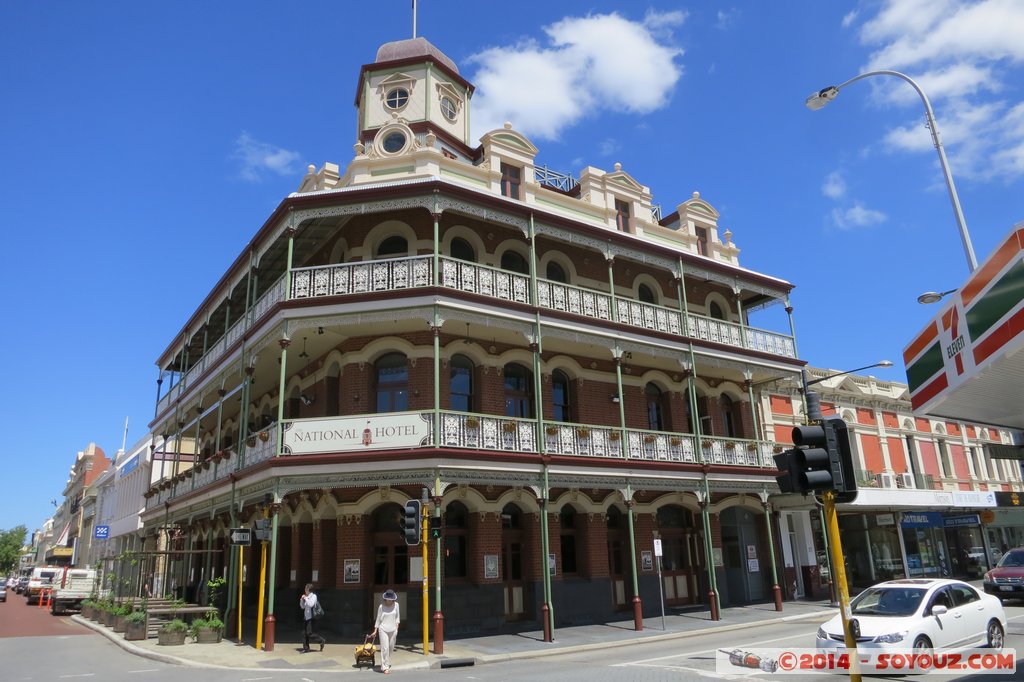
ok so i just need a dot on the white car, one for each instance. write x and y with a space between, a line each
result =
921 614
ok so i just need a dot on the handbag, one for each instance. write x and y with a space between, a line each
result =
318 611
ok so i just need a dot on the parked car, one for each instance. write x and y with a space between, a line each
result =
1006 580
921 613
22 585
3 592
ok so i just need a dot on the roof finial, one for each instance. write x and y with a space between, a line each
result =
413 18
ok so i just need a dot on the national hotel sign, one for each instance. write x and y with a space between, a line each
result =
372 432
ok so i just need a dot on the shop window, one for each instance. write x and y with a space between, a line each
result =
518 391
568 546
462 250
392 383
393 246
511 180
510 260
461 383
561 403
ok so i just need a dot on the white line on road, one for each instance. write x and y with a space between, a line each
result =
254 679
145 670
691 654
64 677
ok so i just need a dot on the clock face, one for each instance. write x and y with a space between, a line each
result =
394 142
396 98
448 108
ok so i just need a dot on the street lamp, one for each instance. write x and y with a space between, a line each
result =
825 95
933 296
814 400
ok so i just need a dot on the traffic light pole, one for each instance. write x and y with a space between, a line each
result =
839 579
426 582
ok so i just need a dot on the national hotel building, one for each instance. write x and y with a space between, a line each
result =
565 371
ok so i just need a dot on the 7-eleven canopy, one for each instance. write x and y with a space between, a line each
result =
968 362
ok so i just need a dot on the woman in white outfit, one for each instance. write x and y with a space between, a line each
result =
388 618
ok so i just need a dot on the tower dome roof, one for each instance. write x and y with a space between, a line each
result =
413 48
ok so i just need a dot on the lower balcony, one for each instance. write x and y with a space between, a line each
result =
463 431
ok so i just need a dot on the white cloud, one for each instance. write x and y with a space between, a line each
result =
961 53
542 89
608 147
856 216
726 19
850 18
834 186
257 157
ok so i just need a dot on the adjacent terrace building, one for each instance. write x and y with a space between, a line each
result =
564 372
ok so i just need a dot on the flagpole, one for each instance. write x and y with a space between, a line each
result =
413 18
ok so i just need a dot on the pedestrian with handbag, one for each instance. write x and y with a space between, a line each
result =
388 618
312 610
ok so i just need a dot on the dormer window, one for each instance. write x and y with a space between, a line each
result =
702 241
396 98
511 179
622 215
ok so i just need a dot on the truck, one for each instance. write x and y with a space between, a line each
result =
43 577
77 585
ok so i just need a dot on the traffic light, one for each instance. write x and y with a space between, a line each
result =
411 522
787 478
813 464
841 459
434 527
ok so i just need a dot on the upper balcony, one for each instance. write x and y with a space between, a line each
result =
335 282
467 432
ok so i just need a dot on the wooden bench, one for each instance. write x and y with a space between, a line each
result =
157 616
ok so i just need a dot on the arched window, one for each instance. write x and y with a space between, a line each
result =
510 260
728 416
461 383
556 273
393 246
392 383
646 294
715 310
456 529
518 391
569 547
655 411
462 250
560 396
291 406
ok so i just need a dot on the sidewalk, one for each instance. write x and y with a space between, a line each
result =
338 656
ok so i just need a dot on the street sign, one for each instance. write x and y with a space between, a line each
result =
657 546
262 535
101 532
241 537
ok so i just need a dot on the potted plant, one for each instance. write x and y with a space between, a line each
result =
729 445
472 423
135 626
551 430
208 629
509 427
582 433
264 436
87 607
172 633
613 436
649 438
675 441
118 615
751 447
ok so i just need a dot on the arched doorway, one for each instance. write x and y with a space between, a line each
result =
620 568
745 562
680 560
513 564
390 553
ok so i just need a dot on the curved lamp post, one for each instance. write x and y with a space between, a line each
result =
826 95
812 398
933 296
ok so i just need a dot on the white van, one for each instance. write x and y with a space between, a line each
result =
43 577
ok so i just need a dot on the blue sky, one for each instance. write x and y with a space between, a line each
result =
142 144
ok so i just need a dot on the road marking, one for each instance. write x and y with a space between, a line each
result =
692 654
64 677
145 670
253 679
